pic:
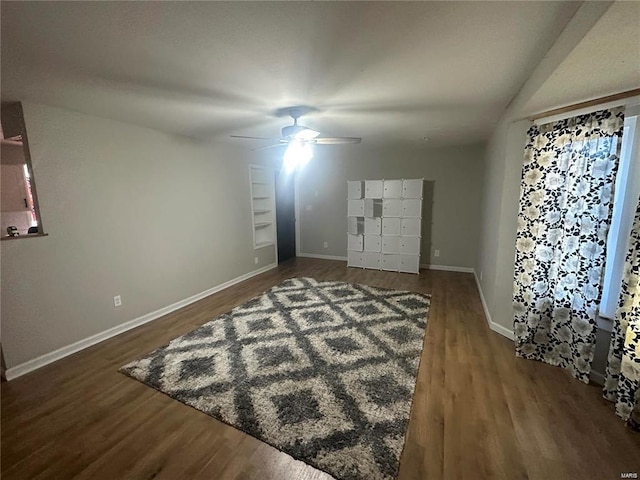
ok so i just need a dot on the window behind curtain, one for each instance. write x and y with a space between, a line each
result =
627 191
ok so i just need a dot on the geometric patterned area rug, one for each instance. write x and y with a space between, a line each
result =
324 371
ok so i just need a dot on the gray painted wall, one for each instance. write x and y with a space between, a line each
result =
451 210
129 211
496 252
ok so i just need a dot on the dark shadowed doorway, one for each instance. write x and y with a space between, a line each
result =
285 215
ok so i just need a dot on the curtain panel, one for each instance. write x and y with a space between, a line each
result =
622 378
566 200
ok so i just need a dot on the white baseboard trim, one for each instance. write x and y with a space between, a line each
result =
325 257
447 268
596 377
47 358
504 331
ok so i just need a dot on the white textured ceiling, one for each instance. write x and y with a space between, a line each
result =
388 72
605 62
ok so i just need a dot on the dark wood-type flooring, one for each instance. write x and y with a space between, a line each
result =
478 412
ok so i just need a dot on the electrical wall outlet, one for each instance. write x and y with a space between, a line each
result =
255 260
325 245
436 253
117 301
480 276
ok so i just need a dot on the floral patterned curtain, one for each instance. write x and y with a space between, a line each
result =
566 200
622 379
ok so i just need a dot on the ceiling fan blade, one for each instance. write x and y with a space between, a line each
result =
269 146
254 138
335 140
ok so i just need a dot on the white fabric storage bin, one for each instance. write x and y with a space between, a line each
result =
372 207
372 243
390 226
355 190
355 208
355 225
392 189
410 245
373 260
390 244
372 226
410 226
373 189
412 188
391 262
412 207
355 259
410 263
391 207
355 242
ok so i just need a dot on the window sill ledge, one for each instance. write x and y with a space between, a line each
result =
29 235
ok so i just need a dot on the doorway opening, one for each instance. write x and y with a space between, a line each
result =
285 215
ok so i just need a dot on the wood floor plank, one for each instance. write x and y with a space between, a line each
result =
478 411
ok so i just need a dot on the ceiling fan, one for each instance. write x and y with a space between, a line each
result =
300 134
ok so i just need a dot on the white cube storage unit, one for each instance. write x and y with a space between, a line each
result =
391 226
384 224
355 242
391 262
412 188
372 207
372 226
373 260
355 190
390 244
410 245
373 188
355 208
409 226
392 189
411 207
372 243
355 259
409 263
355 225
391 207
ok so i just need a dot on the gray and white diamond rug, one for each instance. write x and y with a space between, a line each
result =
324 371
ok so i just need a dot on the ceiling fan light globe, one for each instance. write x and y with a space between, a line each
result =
297 155
306 154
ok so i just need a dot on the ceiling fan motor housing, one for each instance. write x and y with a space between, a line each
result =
301 134
292 130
